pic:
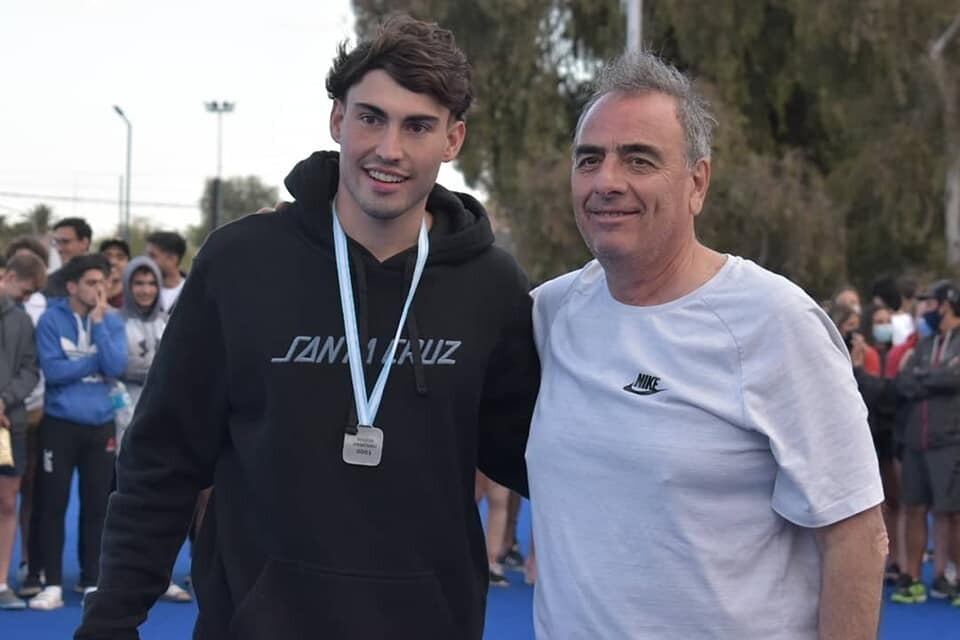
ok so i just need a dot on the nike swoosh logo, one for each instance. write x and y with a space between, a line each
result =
641 392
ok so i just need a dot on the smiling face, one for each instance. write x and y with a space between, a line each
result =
392 142
633 194
145 288
68 243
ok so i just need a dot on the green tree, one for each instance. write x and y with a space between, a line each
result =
839 137
240 196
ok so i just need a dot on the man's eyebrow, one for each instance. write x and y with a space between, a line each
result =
371 107
588 149
645 149
426 118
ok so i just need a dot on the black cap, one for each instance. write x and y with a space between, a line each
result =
942 290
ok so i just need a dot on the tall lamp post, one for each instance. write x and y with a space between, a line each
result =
126 216
218 108
634 10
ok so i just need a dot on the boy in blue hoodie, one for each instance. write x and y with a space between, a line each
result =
81 347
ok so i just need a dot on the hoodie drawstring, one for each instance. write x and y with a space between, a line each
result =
413 334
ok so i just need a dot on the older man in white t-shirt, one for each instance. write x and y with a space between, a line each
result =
700 462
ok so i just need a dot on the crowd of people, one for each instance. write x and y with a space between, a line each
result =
907 366
75 349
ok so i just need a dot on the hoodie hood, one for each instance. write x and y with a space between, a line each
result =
130 308
461 228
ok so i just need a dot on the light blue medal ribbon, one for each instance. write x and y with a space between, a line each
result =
367 407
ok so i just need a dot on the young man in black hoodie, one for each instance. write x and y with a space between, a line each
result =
335 515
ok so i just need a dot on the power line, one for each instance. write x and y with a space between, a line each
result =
42 196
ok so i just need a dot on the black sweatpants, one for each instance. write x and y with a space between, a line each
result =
66 446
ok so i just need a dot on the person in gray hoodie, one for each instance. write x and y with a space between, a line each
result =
145 321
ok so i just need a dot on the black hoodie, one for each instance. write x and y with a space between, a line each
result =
251 392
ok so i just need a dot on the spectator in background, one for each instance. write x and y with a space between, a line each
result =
848 322
72 238
903 320
117 251
930 381
145 322
498 498
24 274
166 249
886 291
879 394
34 305
848 296
80 347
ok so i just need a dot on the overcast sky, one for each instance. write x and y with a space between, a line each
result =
65 63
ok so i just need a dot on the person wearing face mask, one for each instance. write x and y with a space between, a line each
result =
880 396
930 381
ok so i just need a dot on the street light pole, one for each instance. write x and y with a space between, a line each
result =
634 24
126 221
218 108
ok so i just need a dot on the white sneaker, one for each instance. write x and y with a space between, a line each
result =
175 593
47 600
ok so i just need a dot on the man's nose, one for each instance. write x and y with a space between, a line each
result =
389 148
609 179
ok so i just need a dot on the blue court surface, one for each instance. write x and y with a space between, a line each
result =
509 610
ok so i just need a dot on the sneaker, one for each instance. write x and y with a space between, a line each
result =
909 591
10 602
513 559
892 574
30 586
497 579
942 589
47 600
175 593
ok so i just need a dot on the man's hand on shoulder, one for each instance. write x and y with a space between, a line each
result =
280 206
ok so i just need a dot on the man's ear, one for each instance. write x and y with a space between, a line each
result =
456 134
71 287
700 175
336 119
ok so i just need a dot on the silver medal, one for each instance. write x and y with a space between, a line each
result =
365 448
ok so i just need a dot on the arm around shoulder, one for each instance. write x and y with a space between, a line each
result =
510 390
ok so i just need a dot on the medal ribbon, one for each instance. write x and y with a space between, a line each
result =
367 407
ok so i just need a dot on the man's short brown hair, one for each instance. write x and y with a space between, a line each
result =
28 266
27 243
419 56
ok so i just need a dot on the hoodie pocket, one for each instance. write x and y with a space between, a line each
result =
292 600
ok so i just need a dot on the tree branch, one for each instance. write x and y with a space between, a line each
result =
938 45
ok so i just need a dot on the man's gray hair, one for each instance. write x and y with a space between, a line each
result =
645 72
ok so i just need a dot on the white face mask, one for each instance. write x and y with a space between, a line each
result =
883 333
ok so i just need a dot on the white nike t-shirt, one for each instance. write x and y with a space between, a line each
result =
679 453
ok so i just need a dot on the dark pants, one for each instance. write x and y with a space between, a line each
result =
66 446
